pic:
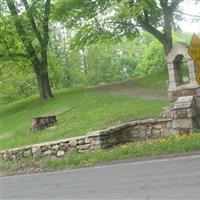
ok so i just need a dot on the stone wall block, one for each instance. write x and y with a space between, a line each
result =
148 133
60 153
13 157
136 132
95 137
62 146
157 126
80 142
97 142
112 140
95 147
143 134
6 156
124 137
66 144
84 147
44 148
169 126
27 153
55 147
72 143
71 150
180 113
128 130
156 133
168 132
143 127
48 152
190 113
87 140
35 149
20 154
182 124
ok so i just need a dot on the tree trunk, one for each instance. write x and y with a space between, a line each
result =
43 84
167 44
40 64
83 53
167 40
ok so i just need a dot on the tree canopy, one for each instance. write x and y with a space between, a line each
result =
36 35
100 19
31 21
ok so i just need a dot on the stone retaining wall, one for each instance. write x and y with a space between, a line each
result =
132 131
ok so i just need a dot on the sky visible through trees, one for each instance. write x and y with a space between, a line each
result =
190 8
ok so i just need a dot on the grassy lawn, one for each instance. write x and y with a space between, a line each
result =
154 81
159 80
172 144
78 111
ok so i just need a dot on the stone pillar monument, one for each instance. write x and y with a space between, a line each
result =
184 93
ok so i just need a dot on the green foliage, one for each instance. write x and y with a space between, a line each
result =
180 36
152 59
10 44
97 20
86 19
16 83
105 63
56 73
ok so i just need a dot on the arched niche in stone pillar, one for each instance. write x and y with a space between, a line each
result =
178 86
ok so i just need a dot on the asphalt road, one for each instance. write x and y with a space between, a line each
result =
175 178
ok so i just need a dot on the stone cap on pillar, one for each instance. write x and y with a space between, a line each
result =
184 102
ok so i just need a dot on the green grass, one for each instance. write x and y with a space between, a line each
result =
78 111
154 81
172 144
158 80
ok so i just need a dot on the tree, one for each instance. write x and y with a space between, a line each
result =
34 34
101 19
110 62
17 79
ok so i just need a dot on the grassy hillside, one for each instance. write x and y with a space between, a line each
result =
154 81
158 81
78 111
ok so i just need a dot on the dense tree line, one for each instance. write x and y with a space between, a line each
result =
47 45
105 63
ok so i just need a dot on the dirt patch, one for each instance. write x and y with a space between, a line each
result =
129 88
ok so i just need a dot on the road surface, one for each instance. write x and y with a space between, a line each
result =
174 178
